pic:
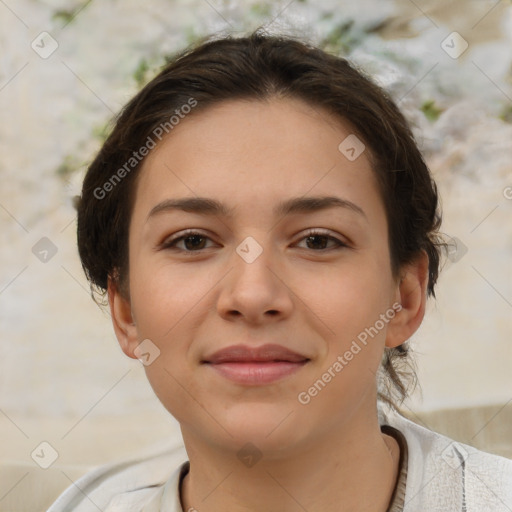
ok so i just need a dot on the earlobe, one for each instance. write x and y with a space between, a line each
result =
122 319
412 295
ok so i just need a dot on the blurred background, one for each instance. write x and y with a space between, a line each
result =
67 67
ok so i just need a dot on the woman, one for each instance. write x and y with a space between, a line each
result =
267 233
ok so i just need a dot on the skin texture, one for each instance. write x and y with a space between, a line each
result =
330 454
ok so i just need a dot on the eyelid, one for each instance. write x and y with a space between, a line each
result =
340 240
176 237
168 242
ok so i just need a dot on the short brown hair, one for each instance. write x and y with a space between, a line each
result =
260 66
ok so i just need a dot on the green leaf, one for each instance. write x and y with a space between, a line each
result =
431 110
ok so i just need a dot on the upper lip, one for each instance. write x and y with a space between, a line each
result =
263 353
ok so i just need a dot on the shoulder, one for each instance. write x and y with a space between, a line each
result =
444 474
126 486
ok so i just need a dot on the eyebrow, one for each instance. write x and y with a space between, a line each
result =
207 206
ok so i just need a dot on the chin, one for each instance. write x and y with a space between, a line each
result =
267 427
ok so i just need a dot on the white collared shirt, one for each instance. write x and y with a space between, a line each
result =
442 476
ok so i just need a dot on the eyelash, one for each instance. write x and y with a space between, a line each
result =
171 243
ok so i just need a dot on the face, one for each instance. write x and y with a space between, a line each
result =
314 279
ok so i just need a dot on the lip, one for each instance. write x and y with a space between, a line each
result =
255 365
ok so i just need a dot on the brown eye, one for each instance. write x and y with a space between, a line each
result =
193 241
318 241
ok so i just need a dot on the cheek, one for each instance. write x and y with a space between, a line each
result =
351 305
352 295
165 300
163 295
354 347
174 388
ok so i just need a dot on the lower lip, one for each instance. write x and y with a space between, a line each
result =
257 373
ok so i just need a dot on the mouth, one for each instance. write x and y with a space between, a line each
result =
255 366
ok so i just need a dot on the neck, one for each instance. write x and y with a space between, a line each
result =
353 468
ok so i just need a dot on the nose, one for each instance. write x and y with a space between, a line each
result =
255 290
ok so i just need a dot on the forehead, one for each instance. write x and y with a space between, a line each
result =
253 151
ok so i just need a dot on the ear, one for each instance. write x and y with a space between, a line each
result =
122 319
411 293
